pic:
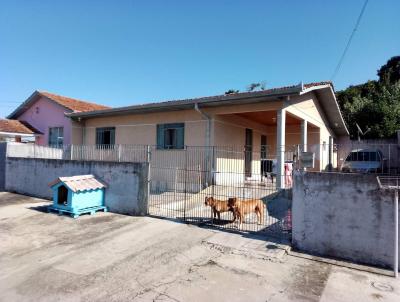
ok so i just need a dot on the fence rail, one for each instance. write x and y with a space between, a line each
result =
352 157
182 180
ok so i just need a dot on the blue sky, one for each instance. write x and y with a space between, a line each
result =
127 52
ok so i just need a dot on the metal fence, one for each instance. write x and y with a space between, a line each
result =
226 187
227 162
181 180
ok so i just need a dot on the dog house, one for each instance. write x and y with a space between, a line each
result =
77 195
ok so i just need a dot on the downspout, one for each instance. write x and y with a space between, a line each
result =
208 153
208 128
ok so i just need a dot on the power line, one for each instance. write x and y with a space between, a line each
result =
349 41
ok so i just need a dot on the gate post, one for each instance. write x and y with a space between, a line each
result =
148 160
280 150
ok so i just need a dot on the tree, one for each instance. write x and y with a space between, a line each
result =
254 86
390 72
231 91
374 104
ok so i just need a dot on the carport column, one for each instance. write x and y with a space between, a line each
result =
303 136
330 155
280 148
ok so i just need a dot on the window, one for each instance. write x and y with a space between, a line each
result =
105 137
171 136
56 136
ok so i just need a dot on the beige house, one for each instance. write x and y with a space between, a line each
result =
269 124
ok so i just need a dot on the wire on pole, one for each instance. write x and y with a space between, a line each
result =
349 41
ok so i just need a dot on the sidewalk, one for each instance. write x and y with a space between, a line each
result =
109 257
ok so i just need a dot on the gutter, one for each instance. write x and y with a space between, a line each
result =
224 100
11 134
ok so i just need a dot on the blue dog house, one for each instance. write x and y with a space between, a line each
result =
77 195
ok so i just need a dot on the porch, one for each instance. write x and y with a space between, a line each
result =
266 141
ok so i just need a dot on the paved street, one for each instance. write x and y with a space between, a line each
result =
110 257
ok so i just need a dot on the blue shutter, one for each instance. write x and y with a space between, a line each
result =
112 136
98 136
180 137
160 136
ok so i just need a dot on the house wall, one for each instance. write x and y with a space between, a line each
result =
227 129
49 115
344 216
141 129
127 185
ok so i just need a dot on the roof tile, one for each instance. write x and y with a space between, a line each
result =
73 104
15 126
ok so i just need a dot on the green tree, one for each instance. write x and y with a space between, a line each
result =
374 104
231 91
390 72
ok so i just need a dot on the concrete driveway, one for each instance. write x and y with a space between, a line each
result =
110 257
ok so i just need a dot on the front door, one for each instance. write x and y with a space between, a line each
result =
248 152
263 154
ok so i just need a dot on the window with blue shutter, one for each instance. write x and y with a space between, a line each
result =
171 136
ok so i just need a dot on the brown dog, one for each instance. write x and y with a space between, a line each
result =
218 206
243 207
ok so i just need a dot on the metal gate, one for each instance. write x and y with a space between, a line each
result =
212 186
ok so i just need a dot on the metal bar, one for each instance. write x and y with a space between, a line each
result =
396 232
148 159
185 184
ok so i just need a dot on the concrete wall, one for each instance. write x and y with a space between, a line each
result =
343 215
127 182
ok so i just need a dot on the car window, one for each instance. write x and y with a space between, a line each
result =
373 156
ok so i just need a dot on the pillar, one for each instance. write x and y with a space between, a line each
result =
330 155
303 142
303 139
280 148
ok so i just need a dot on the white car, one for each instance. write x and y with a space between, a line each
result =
364 161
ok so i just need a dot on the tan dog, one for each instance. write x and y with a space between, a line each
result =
218 206
243 207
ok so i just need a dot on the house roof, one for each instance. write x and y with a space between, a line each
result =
70 104
17 127
216 100
324 90
79 183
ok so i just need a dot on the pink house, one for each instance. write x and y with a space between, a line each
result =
46 111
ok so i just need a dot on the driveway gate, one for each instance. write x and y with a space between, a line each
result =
180 181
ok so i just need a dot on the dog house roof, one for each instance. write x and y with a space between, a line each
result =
79 183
